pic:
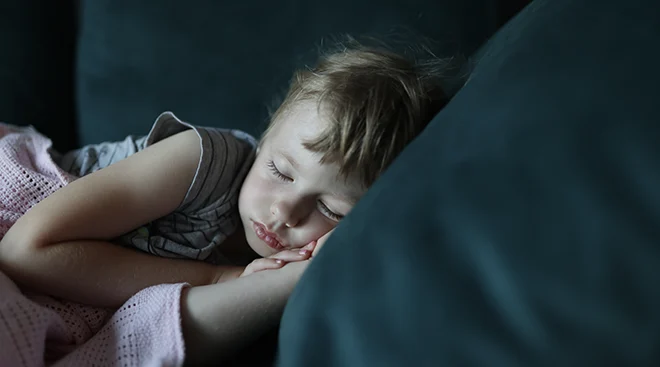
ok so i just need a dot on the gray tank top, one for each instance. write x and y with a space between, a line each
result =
209 212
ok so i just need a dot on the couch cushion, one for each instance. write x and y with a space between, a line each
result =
523 227
221 63
36 67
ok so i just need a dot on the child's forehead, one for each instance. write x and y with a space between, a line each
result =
301 124
308 110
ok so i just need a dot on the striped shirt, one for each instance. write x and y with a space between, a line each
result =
209 211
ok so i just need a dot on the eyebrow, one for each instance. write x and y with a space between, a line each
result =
351 197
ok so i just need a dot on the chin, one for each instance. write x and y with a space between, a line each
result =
260 248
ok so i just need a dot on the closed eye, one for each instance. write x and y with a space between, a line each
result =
329 213
276 172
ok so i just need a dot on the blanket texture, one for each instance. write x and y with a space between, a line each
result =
37 330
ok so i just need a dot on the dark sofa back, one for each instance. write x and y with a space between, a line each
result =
38 40
222 63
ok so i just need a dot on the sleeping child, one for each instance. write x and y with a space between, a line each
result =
234 219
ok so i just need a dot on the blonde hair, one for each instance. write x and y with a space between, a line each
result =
377 101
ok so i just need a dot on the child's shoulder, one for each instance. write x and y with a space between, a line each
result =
225 153
168 124
235 145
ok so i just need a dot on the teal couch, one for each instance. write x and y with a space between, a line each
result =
88 71
523 227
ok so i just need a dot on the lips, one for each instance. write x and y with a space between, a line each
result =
268 237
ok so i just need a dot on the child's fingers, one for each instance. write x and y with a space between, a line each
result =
263 264
293 255
310 246
280 259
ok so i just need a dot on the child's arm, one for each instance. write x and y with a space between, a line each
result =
217 320
60 247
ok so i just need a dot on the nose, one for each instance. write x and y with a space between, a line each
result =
286 213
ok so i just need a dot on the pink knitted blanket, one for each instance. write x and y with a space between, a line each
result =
36 330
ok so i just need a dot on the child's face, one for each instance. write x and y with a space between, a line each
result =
288 198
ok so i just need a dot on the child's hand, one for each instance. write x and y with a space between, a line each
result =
279 259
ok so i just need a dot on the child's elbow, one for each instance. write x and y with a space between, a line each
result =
15 249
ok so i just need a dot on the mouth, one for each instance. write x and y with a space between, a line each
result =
268 237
